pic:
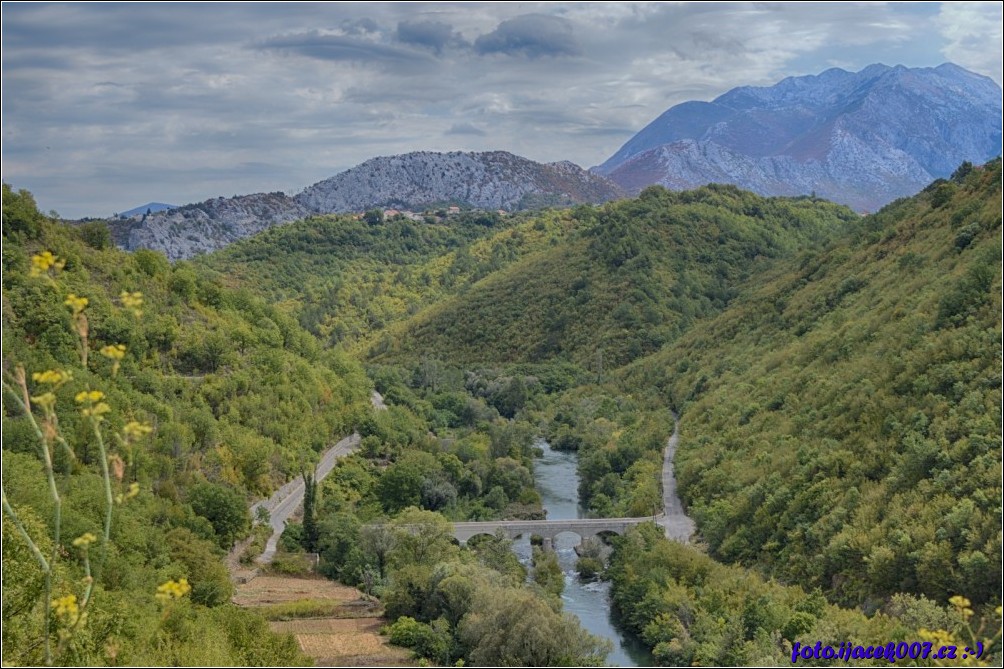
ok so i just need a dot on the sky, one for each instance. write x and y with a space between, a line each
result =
110 106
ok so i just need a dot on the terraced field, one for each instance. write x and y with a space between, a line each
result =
334 624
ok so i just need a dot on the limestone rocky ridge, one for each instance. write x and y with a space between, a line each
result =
491 180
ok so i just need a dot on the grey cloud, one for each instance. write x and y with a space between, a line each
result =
36 61
424 91
110 27
360 26
206 90
337 47
434 35
530 35
465 129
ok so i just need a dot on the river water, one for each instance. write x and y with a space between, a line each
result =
558 483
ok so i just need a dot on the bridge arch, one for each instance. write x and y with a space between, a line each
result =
550 529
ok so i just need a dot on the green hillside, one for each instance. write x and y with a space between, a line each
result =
162 402
145 405
627 278
841 422
837 380
344 278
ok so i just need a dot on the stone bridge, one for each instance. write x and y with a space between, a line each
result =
549 529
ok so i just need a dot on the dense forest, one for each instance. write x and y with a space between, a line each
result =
142 405
836 380
843 419
624 280
146 404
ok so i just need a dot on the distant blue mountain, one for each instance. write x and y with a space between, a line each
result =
153 208
859 138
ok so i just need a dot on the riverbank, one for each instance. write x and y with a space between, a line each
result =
557 481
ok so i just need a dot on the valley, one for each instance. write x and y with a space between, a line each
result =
810 396
502 334
731 393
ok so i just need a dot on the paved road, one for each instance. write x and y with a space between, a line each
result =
677 523
287 499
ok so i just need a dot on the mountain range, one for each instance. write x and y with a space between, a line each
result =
858 138
862 139
491 180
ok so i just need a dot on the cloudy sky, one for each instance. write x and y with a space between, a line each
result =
106 107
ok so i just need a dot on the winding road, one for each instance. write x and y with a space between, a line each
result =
674 521
285 501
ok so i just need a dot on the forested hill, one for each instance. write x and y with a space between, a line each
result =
346 278
837 381
627 278
841 421
189 399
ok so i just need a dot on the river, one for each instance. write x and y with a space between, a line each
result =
558 483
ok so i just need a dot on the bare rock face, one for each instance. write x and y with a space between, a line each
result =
859 138
200 228
493 180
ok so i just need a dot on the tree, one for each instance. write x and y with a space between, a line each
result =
376 542
224 508
309 513
401 484
513 627
496 552
429 641
547 572
20 213
373 216
208 576
421 538
962 171
339 547
96 234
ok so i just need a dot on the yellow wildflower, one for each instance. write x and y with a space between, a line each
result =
77 304
66 609
55 377
136 430
133 491
42 262
132 301
114 351
98 410
84 540
94 406
963 605
173 590
46 400
89 396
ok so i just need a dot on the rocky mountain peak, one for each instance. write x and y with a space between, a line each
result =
859 138
490 180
